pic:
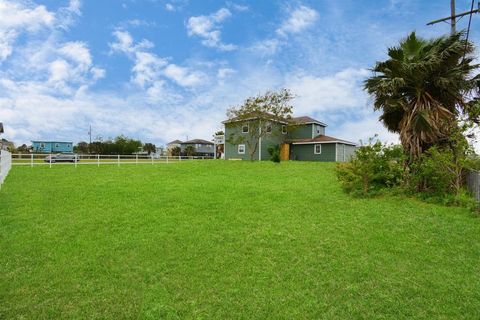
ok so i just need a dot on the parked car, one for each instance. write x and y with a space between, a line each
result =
62 157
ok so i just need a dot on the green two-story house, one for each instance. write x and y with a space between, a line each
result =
300 138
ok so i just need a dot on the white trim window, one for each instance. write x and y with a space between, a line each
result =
241 149
284 129
57 145
317 149
245 128
317 129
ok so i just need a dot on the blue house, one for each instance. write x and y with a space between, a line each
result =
51 146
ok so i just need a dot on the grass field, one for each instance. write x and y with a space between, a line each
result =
227 240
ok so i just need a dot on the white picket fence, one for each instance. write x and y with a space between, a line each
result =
5 165
42 159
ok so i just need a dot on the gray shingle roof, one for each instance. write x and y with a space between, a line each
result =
174 142
319 139
306 120
197 141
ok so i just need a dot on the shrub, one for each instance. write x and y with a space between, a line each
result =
374 167
274 153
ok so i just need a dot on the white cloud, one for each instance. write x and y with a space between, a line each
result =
169 7
17 18
329 93
299 19
149 68
208 28
223 73
183 76
78 52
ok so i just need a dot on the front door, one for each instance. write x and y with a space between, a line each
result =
285 151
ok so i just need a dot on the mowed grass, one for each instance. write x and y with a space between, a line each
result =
236 240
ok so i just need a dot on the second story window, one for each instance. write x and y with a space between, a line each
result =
57 145
245 128
284 129
318 129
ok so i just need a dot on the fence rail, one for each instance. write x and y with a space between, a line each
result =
42 159
473 183
5 165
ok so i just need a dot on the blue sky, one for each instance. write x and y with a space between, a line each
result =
161 70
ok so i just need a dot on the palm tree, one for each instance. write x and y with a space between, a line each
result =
423 88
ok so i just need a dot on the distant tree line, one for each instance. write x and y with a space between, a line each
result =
119 145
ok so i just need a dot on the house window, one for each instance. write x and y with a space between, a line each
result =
68 146
284 129
241 149
245 128
57 145
269 128
318 130
317 149
42 145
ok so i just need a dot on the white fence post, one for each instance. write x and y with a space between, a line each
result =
50 160
98 160
119 160
136 159
5 165
31 160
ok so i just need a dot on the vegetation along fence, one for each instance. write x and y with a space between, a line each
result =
5 165
40 159
473 183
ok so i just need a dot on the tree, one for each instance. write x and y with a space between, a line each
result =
81 147
175 152
260 111
422 89
190 151
23 149
150 148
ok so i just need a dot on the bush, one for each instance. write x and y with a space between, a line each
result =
373 168
436 177
274 153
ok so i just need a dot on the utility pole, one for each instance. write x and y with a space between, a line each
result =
90 134
453 17
453 20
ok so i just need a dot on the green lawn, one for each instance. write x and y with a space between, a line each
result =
225 240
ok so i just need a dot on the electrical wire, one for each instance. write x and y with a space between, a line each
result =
468 30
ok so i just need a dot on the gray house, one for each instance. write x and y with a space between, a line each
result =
202 147
300 138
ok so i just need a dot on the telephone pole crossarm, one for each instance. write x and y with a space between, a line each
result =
453 17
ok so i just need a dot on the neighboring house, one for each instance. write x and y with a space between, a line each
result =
52 146
171 145
6 145
202 147
300 138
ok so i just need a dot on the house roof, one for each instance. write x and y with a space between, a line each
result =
296 120
307 120
256 115
320 139
1 127
197 141
174 142
46 141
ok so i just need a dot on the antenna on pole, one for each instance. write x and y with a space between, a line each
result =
453 17
90 134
